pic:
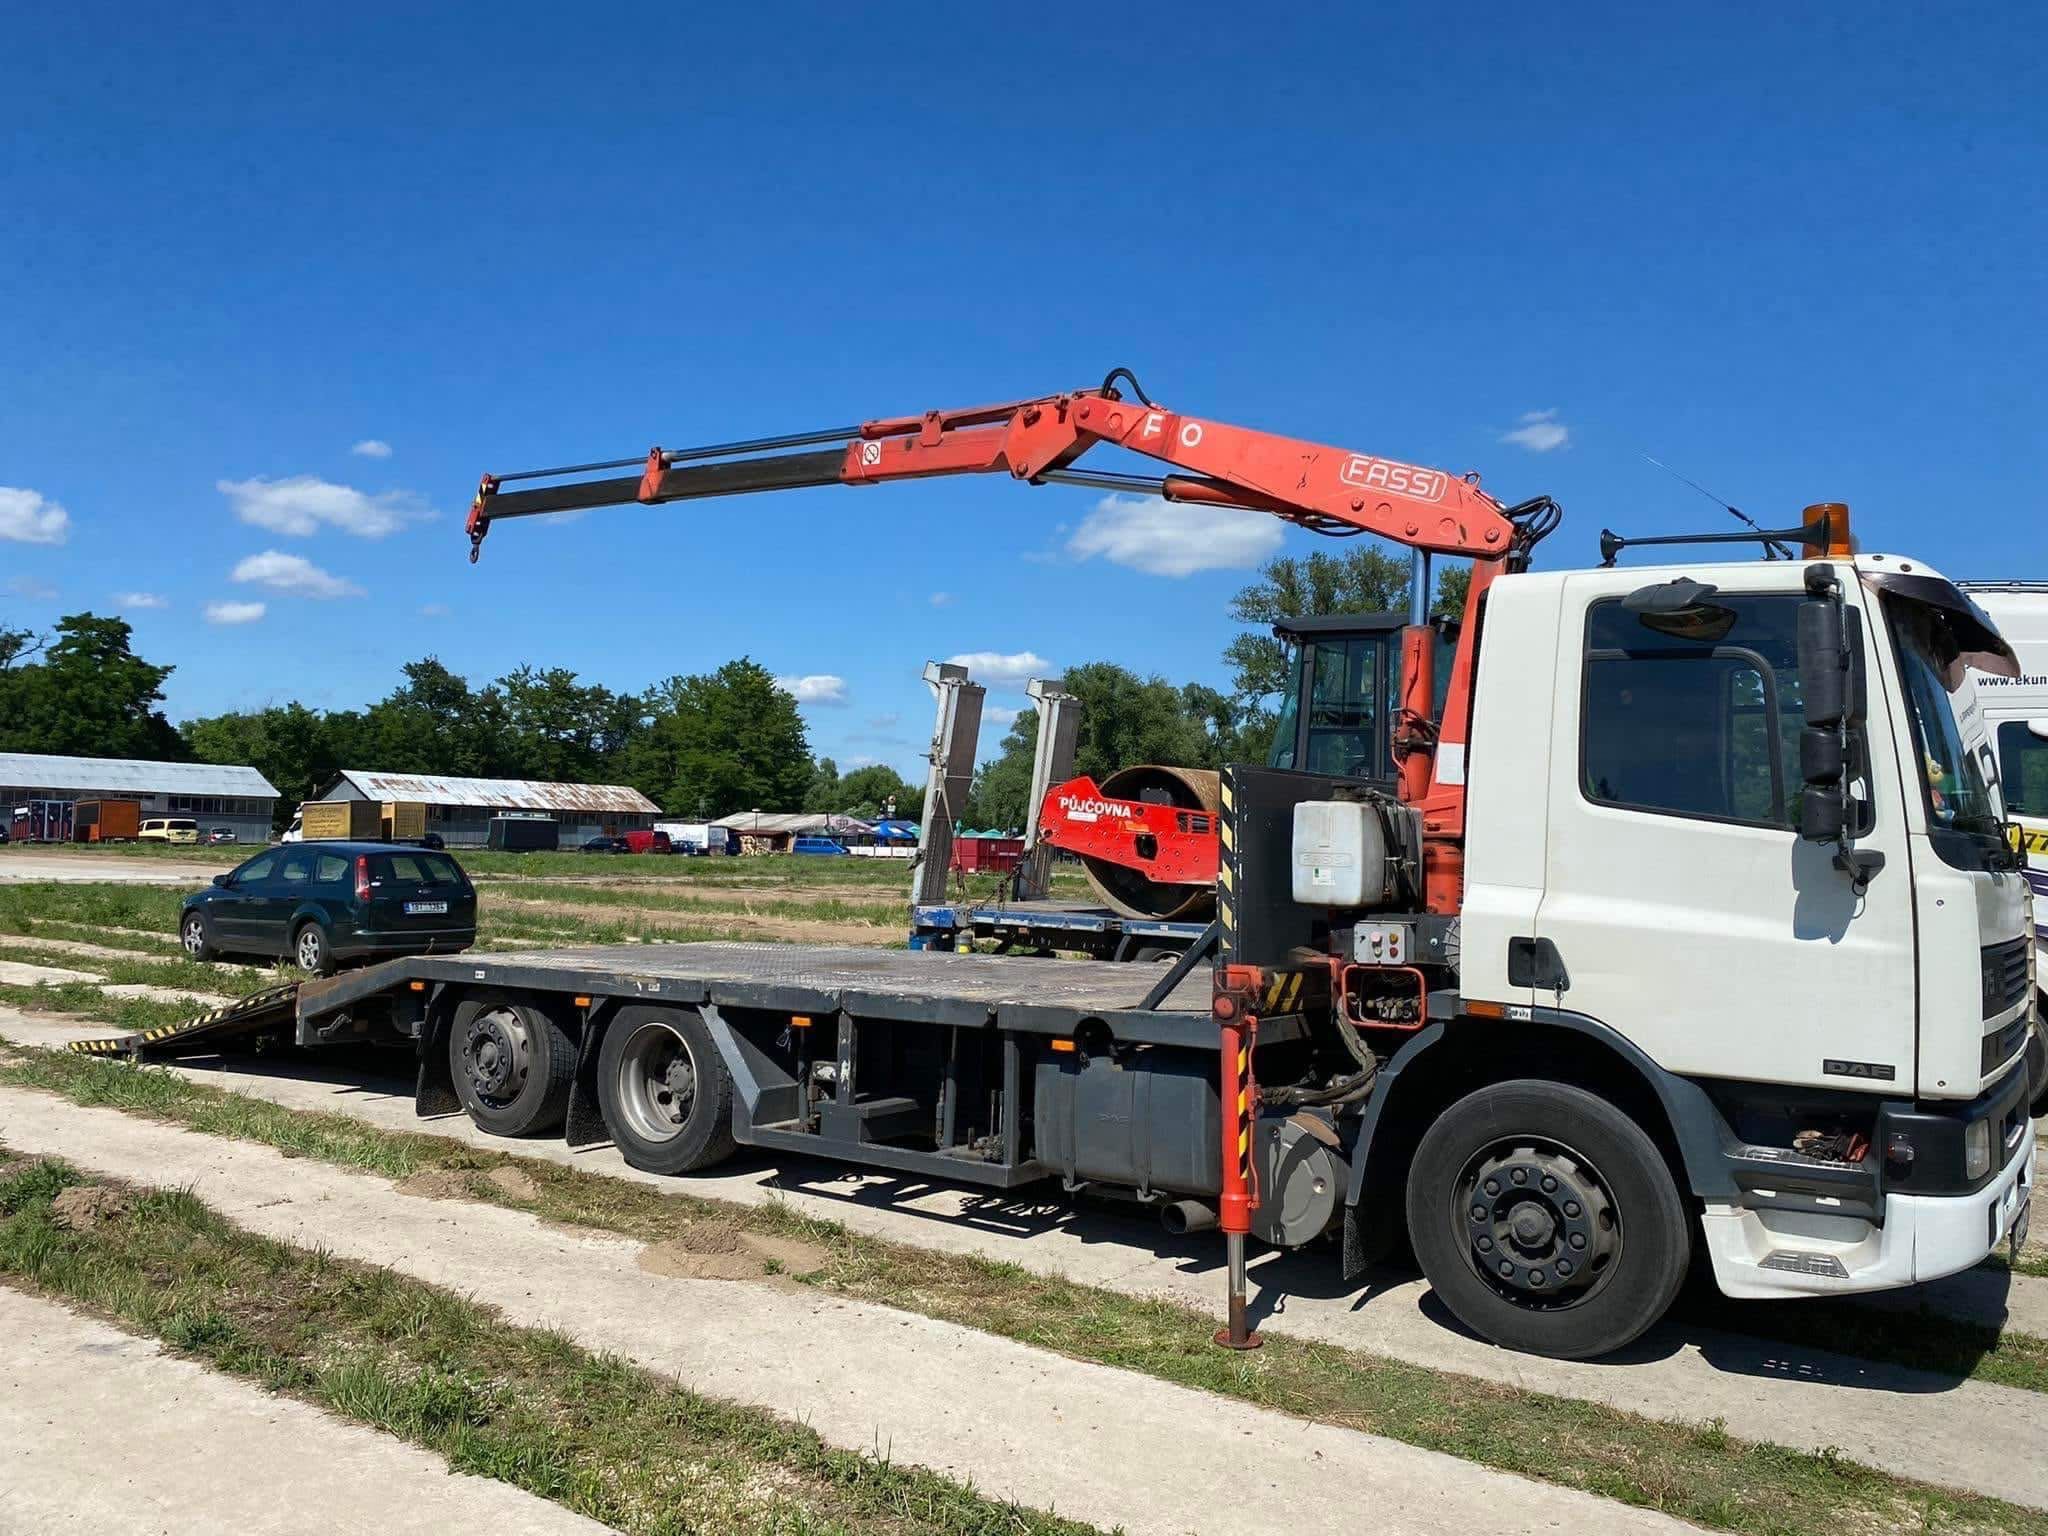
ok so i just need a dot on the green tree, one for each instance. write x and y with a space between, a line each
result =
822 793
724 741
562 730
869 792
294 747
88 695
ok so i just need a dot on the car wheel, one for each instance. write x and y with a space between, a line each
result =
310 952
1547 1220
665 1091
512 1065
195 938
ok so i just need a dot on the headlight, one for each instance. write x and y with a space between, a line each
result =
1976 1149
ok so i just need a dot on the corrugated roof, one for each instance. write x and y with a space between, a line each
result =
775 823
499 794
132 775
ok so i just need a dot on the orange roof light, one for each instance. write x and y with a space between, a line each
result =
1827 530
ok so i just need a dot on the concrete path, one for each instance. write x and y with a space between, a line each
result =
86 951
21 973
101 1431
1021 1423
21 865
1964 1434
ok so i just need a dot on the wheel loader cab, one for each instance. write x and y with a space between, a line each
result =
1344 676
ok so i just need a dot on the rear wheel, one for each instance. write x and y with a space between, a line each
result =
665 1092
512 1065
196 938
310 951
1547 1220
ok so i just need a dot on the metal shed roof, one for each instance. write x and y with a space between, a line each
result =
499 794
132 775
795 823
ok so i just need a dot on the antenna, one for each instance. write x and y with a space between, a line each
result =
1773 550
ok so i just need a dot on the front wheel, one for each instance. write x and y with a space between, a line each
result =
665 1091
1547 1220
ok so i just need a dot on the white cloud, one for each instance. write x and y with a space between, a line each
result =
30 588
862 761
133 600
1539 432
233 613
29 517
433 610
293 574
300 504
999 667
942 599
999 714
1147 534
814 688
372 448
886 722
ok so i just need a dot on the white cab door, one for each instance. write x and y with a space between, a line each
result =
1687 912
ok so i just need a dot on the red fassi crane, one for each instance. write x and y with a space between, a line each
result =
1326 489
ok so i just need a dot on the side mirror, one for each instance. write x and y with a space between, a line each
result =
1831 689
223 881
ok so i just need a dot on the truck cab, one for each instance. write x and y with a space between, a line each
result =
1644 870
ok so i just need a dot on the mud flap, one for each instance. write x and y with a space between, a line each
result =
434 1090
585 1125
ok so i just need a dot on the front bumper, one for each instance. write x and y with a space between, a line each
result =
1930 1224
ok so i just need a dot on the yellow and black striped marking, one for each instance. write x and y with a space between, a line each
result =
259 1010
1283 993
1244 1114
1226 868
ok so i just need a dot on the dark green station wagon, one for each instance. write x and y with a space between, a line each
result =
322 904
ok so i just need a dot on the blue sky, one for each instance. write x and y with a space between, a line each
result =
1798 253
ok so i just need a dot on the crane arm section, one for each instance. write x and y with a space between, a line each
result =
1323 488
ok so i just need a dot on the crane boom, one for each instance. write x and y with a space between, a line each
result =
1323 488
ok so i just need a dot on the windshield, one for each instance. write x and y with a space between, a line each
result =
1943 704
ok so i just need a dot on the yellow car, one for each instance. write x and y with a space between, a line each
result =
168 829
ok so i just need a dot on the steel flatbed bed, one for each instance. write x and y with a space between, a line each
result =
1079 927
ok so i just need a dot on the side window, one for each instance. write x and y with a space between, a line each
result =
297 869
1696 714
256 869
404 866
2023 767
330 869
1343 705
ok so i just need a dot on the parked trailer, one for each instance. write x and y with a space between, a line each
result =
106 821
523 834
351 821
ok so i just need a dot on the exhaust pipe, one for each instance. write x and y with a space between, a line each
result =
1185 1216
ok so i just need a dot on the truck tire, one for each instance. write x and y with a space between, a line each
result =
665 1091
1547 1220
513 1066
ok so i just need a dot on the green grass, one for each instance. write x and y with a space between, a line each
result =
525 1406
1698 1473
151 908
166 971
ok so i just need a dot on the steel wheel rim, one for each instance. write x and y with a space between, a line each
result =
309 948
497 1056
195 936
657 1082
1537 1221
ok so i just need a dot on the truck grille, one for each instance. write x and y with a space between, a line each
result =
2001 1045
2005 975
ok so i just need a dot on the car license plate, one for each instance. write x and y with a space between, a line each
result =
426 908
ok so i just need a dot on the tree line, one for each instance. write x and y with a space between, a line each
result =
699 746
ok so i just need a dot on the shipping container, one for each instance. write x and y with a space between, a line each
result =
404 821
106 821
356 821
